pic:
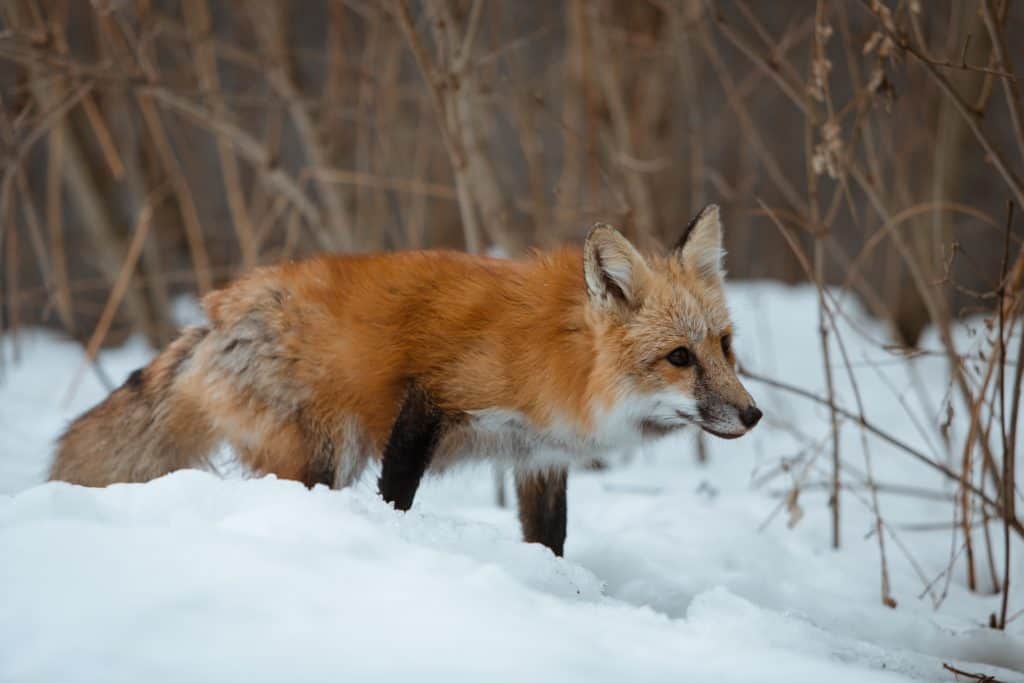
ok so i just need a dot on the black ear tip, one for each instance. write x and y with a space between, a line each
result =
709 210
688 230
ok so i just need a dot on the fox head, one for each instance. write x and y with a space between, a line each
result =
664 331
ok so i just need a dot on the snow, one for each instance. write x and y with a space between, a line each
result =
674 570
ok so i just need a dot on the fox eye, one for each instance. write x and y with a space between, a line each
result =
681 357
727 344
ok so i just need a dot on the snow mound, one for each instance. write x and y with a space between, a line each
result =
673 571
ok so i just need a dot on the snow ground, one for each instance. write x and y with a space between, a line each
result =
674 570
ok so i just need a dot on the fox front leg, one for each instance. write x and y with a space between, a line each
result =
410 447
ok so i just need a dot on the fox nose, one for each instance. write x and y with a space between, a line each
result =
750 416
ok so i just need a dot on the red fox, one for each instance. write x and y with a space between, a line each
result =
425 359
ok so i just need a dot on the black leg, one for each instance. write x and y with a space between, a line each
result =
409 448
542 509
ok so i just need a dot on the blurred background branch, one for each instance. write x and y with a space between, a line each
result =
285 128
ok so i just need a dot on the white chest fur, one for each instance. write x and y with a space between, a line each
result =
510 436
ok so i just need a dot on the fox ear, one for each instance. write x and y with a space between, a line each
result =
614 270
700 247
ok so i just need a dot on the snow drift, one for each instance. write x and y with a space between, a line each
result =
673 571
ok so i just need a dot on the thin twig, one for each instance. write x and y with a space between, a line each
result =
982 678
142 226
1009 488
884 436
970 117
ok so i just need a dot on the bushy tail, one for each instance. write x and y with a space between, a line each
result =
147 427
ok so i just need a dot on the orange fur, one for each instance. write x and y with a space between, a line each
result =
304 365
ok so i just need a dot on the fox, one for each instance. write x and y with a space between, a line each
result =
420 360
